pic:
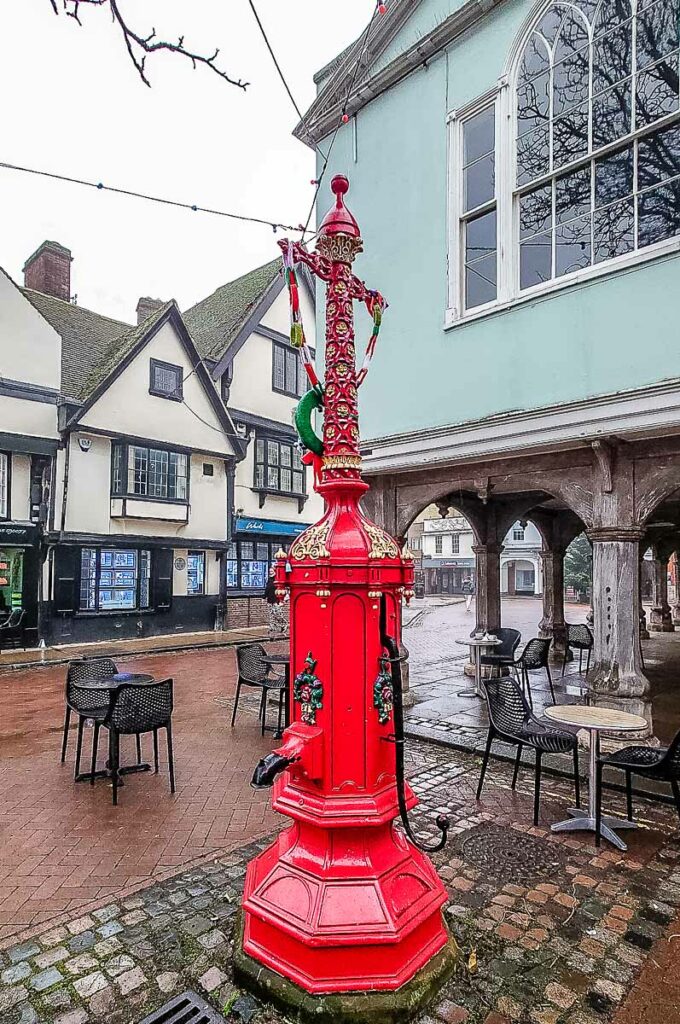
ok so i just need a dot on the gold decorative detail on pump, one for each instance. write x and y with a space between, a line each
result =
339 247
407 554
382 545
280 555
341 461
312 543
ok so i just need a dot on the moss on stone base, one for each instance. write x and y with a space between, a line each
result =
344 1007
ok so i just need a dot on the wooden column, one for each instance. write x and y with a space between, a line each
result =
552 624
616 668
488 585
660 619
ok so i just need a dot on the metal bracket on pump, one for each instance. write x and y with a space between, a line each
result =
395 659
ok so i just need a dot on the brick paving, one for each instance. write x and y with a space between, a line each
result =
62 845
557 937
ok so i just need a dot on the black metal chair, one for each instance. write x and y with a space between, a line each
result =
86 703
12 629
253 670
511 720
659 763
134 710
533 657
580 639
505 654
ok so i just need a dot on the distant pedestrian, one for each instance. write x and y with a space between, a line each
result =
276 612
468 590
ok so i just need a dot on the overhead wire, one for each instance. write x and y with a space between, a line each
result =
101 187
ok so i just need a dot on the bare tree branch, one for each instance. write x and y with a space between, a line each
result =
139 47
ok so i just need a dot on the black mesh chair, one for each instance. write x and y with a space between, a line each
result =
505 653
511 720
253 670
659 763
12 629
533 657
86 703
134 710
580 639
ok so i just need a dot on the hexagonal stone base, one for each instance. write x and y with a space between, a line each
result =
344 1007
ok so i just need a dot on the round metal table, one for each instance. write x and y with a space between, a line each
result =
476 644
595 720
113 683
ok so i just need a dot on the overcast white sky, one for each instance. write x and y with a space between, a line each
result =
73 104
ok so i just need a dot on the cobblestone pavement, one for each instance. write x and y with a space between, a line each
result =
63 845
551 931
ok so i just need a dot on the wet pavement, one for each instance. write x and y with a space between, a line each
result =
550 930
63 845
437 661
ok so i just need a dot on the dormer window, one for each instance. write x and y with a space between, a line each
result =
165 380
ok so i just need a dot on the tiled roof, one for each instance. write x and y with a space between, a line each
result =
215 321
116 351
87 338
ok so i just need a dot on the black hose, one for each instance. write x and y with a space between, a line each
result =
394 658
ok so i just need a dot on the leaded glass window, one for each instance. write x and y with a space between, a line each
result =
597 139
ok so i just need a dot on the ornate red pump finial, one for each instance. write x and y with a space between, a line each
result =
343 902
339 220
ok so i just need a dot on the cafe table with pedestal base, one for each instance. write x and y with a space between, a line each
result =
595 720
476 645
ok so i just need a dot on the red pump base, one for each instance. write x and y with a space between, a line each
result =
343 911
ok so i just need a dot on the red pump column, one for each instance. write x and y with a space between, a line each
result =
342 901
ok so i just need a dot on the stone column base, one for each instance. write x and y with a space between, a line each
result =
488 671
660 621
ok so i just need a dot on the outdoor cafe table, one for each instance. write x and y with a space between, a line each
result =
596 720
282 659
476 644
112 684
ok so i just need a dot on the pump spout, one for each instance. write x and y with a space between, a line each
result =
268 768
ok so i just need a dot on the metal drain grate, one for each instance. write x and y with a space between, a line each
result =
185 1009
509 854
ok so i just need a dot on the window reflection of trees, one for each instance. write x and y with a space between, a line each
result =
593 73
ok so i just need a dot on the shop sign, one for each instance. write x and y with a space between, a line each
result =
18 533
268 527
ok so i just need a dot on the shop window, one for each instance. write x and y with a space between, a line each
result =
154 473
114 580
195 573
278 467
4 485
165 380
524 580
248 563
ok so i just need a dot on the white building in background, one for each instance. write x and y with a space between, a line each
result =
448 558
151 506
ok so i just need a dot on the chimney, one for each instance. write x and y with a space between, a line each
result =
147 306
48 270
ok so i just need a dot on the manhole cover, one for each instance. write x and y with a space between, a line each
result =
510 854
185 1009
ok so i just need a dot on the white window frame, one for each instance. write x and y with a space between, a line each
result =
508 293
